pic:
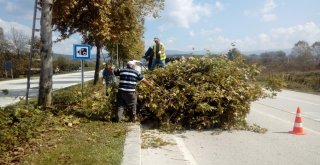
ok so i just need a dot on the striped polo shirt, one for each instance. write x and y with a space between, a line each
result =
128 79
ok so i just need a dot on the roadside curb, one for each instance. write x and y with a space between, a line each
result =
132 146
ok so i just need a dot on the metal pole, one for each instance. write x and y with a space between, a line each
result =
31 49
82 80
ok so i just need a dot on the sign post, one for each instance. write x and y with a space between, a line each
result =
8 66
82 52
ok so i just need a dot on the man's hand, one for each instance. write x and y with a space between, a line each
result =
147 82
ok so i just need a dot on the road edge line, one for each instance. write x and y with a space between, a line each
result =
186 153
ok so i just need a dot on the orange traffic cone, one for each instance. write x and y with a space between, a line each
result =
297 128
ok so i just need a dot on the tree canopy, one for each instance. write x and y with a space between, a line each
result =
104 21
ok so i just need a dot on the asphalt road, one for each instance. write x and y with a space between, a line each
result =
275 147
17 88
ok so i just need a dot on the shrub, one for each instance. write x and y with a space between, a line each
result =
200 93
94 104
18 124
304 80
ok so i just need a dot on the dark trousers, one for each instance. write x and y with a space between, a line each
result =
126 99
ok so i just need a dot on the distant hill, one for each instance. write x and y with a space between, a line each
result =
70 57
179 52
257 52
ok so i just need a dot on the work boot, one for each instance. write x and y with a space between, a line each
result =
120 113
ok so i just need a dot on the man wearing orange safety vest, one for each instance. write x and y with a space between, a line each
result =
159 54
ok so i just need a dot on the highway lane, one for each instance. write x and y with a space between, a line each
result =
277 146
17 88
288 101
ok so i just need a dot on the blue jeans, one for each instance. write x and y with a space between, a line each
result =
161 63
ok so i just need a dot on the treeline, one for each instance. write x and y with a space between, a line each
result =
300 69
303 57
14 56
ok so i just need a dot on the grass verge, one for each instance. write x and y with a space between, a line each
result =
94 142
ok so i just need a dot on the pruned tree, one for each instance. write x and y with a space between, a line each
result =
19 41
302 55
316 52
5 45
45 84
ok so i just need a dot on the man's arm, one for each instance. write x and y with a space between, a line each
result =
162 49
145 81
116 72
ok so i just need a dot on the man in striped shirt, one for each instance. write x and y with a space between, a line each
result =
126 95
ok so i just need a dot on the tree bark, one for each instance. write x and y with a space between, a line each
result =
96 71
45 83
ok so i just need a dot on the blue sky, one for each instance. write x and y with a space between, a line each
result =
206 24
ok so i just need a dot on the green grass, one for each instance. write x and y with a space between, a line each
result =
87 143
61 138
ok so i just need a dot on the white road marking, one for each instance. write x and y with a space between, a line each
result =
285 121
186 153
298 100
305 114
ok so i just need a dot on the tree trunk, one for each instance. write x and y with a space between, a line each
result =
45 84
96 71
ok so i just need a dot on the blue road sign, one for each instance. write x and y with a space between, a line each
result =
7 65
81 51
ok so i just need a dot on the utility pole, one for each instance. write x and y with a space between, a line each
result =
32 47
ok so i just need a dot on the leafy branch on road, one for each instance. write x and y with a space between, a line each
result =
5 91
151 139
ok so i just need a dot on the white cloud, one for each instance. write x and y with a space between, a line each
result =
8 25
267 11
218 6
264 38
170 42
17 8
191 33
309 32
275 39
66 46
210 32
10 7
269 17
184 13
63 47
269 6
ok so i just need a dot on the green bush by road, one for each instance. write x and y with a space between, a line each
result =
73 131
